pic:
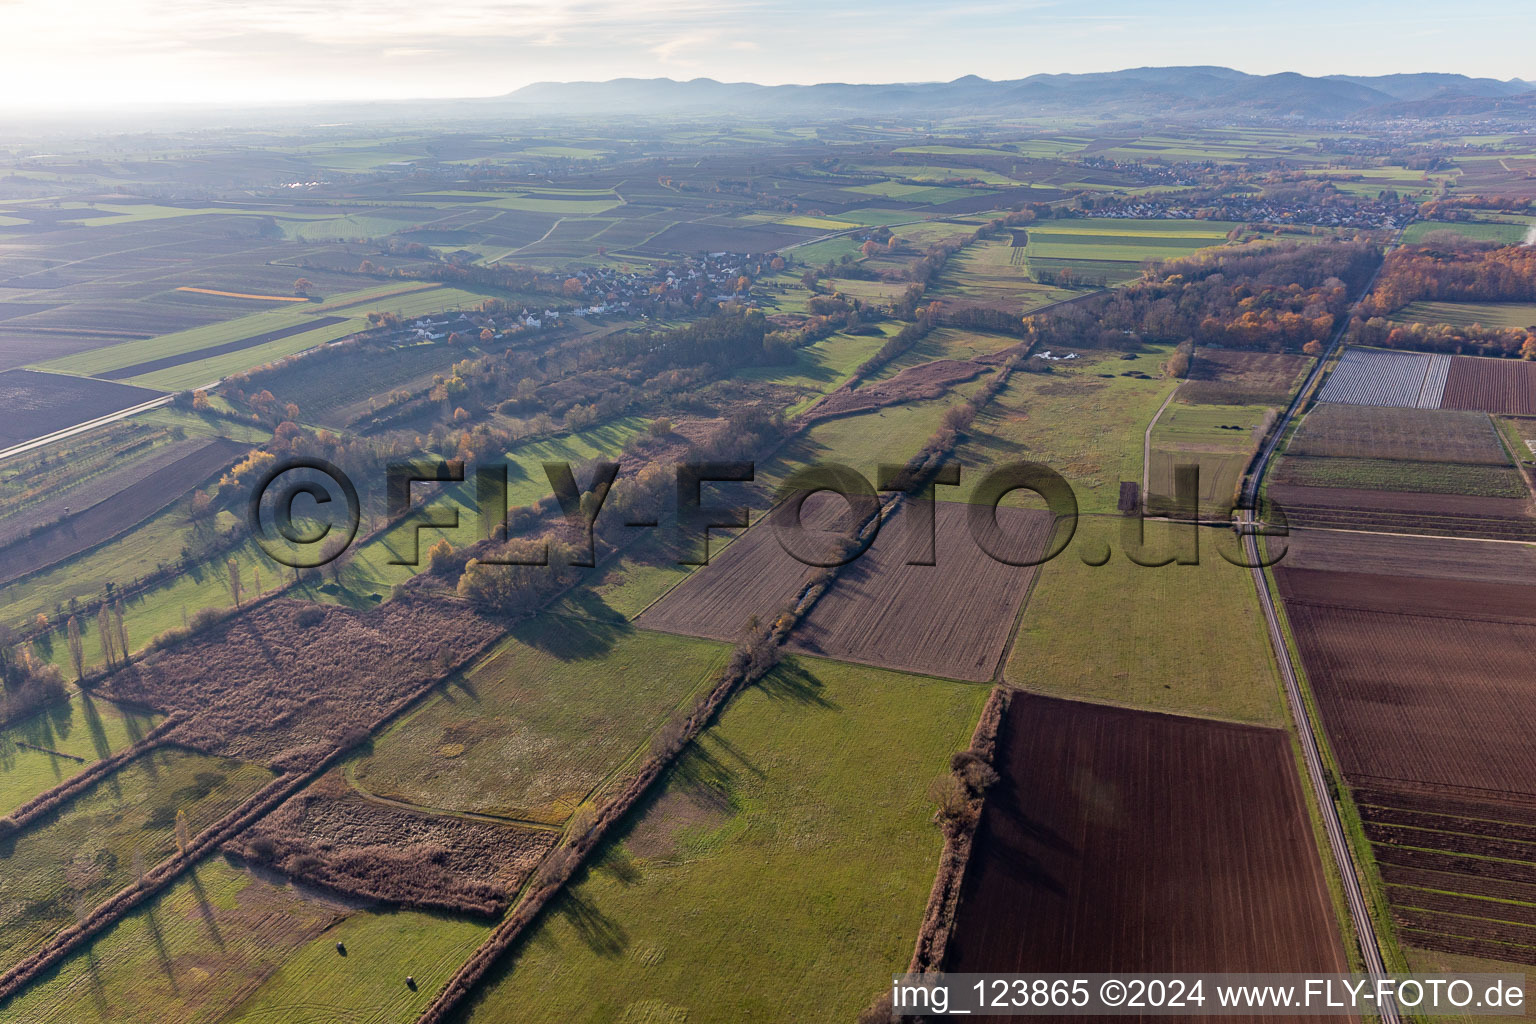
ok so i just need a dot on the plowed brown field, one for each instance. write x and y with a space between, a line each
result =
949 619
1424 689
1122 840
1492 385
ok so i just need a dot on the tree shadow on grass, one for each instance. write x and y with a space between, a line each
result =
205 908
792 682
708 781
571 639
95 726
162 954
597 931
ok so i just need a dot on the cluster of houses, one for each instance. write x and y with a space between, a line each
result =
1339 213
595 291
717 276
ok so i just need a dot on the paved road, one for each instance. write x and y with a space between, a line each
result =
1359 912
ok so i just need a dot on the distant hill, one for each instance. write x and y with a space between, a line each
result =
1184 91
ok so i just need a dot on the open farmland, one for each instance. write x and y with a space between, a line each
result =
114 512
756 857
951 618
1220 439
150 366
61 741
224 945
1123 239
1402 475
1186 639
206 342
1202 821
992 273
43 484
1425 557
1230 377
1424 699
1466 314
1419 684
1378 432
33 404
533 728
1353 508
1492 385
1086 419
1409 380
85 851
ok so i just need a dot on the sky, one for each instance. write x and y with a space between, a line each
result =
92 53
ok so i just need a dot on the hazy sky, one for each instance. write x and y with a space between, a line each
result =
91 52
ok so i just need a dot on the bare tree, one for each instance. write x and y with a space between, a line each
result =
104 631
234 580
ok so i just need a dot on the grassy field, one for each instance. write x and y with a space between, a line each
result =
1465 314
1480 231
890 435
222 945
84 727
85 852
532 729
622 587
129 353
1186 639
994 273
947 343
821 367
793 841
1123 240
205 371
1204 435
145 614
1084 420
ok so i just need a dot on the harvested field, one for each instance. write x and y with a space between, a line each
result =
949 619
918 383
113 512
243 295
1404 512
1457 870
1421 557
35 403
1504 602
1419 435
1410 380
1228 377
1121 840
331 836
1492 385
286 682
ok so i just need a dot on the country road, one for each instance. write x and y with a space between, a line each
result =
1338 844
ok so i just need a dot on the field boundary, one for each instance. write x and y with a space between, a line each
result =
944 898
